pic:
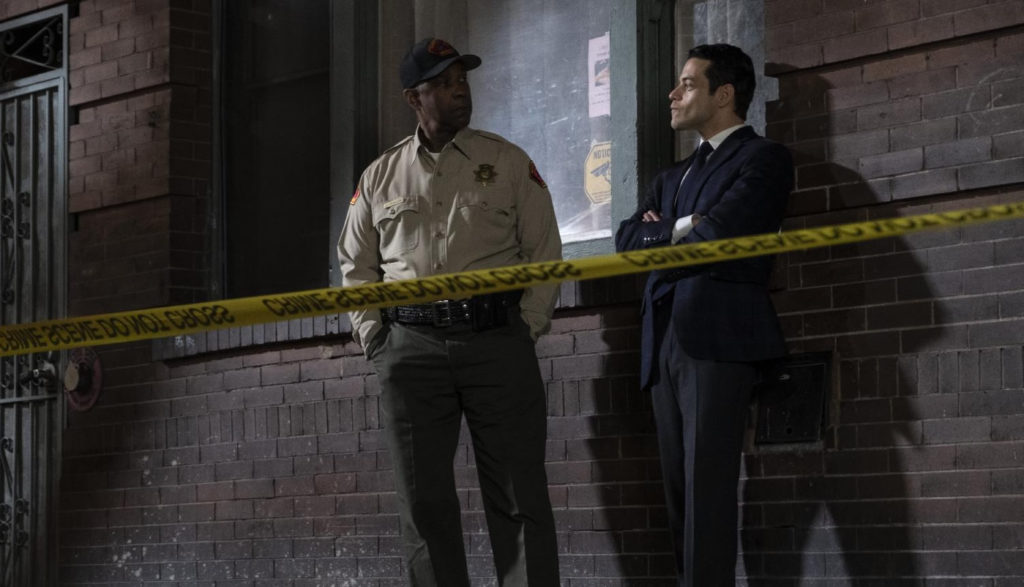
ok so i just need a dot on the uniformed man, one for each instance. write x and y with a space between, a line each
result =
451 198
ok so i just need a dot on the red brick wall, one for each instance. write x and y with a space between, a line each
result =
139 154
263 465
898 108
15 8
270 464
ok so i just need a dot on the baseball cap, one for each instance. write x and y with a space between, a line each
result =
428 58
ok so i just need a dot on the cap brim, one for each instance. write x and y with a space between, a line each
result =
469 61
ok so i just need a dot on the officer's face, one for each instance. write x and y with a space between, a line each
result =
444 102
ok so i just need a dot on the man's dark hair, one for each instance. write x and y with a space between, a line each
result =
729 65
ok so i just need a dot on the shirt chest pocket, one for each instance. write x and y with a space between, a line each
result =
489 217
398 223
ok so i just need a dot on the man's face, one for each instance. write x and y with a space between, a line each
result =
692 106
445 101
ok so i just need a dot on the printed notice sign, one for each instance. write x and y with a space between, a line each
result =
597 179
600 76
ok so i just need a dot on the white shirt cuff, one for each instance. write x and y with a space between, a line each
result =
683 226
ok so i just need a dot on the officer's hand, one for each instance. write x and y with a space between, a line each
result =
376 342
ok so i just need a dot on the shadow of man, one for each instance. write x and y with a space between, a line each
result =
837 511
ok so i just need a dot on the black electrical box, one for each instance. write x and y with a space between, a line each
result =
792 400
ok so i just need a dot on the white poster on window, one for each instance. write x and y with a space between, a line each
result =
600 76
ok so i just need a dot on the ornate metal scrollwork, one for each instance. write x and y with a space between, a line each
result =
33 139
9 516
14 517
8 220
13 520
5 524
33 48
21 513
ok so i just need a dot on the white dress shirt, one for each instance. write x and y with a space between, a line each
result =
684 225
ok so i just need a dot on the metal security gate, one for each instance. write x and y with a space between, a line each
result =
33 208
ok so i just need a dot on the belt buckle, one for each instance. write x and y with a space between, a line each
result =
442 313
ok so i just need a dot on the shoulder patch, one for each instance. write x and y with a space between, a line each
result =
535 176
355 197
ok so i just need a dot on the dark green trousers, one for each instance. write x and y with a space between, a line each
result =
431 377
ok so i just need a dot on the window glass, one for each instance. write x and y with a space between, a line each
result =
276 145
545 85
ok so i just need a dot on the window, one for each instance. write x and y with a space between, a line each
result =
546 67
567 80
300 109
276 145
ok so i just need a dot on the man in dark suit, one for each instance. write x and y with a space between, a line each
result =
706 329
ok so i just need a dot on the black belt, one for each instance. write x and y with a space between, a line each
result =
481 312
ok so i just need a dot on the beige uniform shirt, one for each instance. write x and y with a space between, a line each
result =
481 205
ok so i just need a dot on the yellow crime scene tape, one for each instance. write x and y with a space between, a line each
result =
101 329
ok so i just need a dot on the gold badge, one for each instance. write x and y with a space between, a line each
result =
485 174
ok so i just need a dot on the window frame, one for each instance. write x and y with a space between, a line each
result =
363 113
642 42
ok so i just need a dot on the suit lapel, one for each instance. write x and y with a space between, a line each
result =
671 185
723 153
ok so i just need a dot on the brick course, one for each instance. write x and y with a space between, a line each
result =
122 153
952 101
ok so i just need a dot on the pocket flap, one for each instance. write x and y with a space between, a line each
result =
394 207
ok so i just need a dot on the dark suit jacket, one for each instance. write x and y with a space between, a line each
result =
722 311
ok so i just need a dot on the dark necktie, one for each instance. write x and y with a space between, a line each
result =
684 202
686 197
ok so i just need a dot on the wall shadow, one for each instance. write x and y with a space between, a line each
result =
628 523
837 512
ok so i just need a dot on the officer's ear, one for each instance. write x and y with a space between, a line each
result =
412 98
